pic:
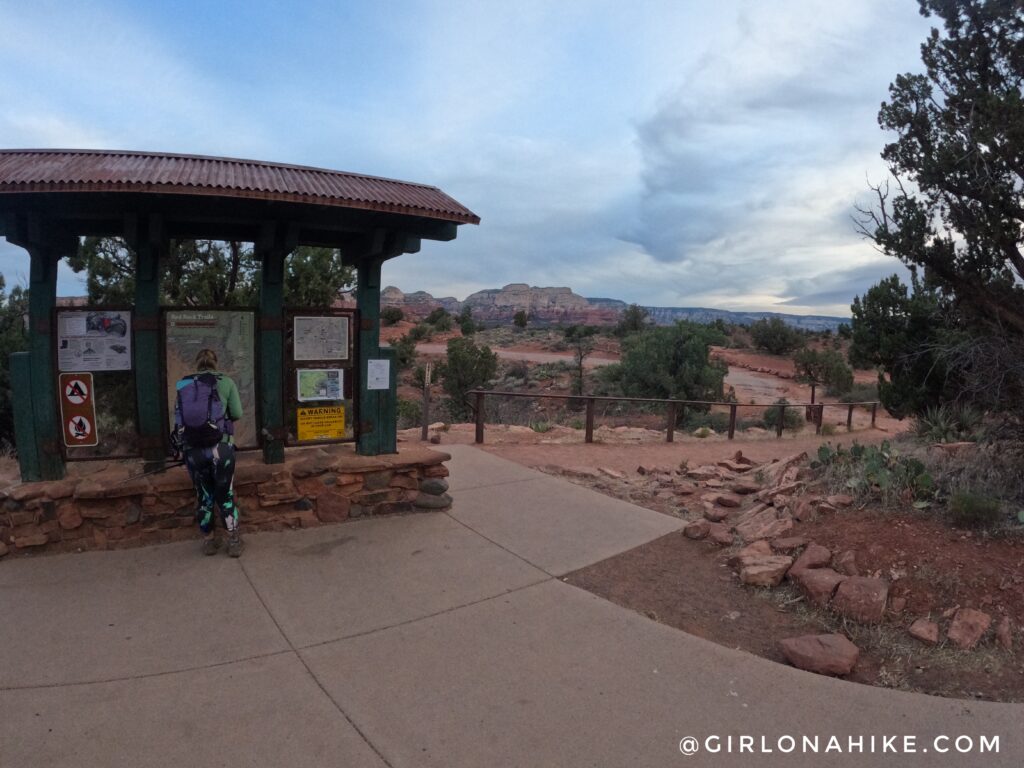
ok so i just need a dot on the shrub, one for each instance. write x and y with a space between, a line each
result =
949 424
694 420
775 336
421 332
410 413
468 367
391 315
824 367
405 351
466 323
969 509
877 470
540 426
520 319
792 419
861 393
671 362
443 324
436 315
828 430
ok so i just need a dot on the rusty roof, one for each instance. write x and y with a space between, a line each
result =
80 170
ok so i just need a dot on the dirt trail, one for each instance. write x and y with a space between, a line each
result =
529 356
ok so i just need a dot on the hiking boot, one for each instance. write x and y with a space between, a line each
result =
210 545
234 545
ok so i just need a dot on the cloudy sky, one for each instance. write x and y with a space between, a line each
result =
673 153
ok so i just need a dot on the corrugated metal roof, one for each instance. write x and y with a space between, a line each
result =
75 170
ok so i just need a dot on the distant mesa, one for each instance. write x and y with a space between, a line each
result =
548 306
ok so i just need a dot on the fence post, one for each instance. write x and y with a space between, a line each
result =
874 410
849 418
670 435
479 417
590 420
819 415
782 419
426 402
732 421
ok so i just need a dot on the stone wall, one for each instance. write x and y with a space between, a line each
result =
103 506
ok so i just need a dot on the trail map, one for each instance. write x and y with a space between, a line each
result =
231 334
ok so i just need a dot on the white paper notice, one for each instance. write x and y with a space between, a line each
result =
378 374
320 338
94 340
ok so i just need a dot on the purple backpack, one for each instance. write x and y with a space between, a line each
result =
201 411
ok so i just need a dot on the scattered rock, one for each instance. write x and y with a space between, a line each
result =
698 529
435 486
714 482
716 514
824 654
846 562
862 598
703 473
685 489
720 534
612 473
751 550
968 625
840 500
789 545
734 466
1004 633
774 472
646 469
730 500
806 508
815 556
432 501
769 494
765 524
744 487
924 630
764 570
817 584
739 458
897 605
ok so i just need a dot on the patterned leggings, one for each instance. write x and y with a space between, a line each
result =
213 474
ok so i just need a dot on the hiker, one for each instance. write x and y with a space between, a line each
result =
204 411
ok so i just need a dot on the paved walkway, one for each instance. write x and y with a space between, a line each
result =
426 640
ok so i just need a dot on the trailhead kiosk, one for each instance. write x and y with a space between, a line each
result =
310 376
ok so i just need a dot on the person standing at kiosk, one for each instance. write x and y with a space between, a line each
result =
205 408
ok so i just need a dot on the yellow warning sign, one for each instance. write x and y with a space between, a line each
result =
323 423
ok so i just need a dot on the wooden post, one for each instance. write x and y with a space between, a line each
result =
24 423
670 434
732 421
590 421
42 298
782 419
145 236
849 417
819 415
814 388
479 417
368 300
427 371
271 250
874 410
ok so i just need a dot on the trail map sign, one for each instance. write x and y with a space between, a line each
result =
320 384
94 340
78 410
231 335
322 423
320 338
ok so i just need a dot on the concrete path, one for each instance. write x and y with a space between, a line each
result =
427 640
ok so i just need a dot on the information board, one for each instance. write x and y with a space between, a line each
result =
94 340
319 384
321 423
231 335
320 338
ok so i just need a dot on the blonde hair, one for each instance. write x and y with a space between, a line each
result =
206 360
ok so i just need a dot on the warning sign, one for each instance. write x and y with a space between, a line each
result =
326 423
78 410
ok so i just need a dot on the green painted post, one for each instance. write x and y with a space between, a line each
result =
271 334
388 405
370 429
42 298
148 248
24 424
